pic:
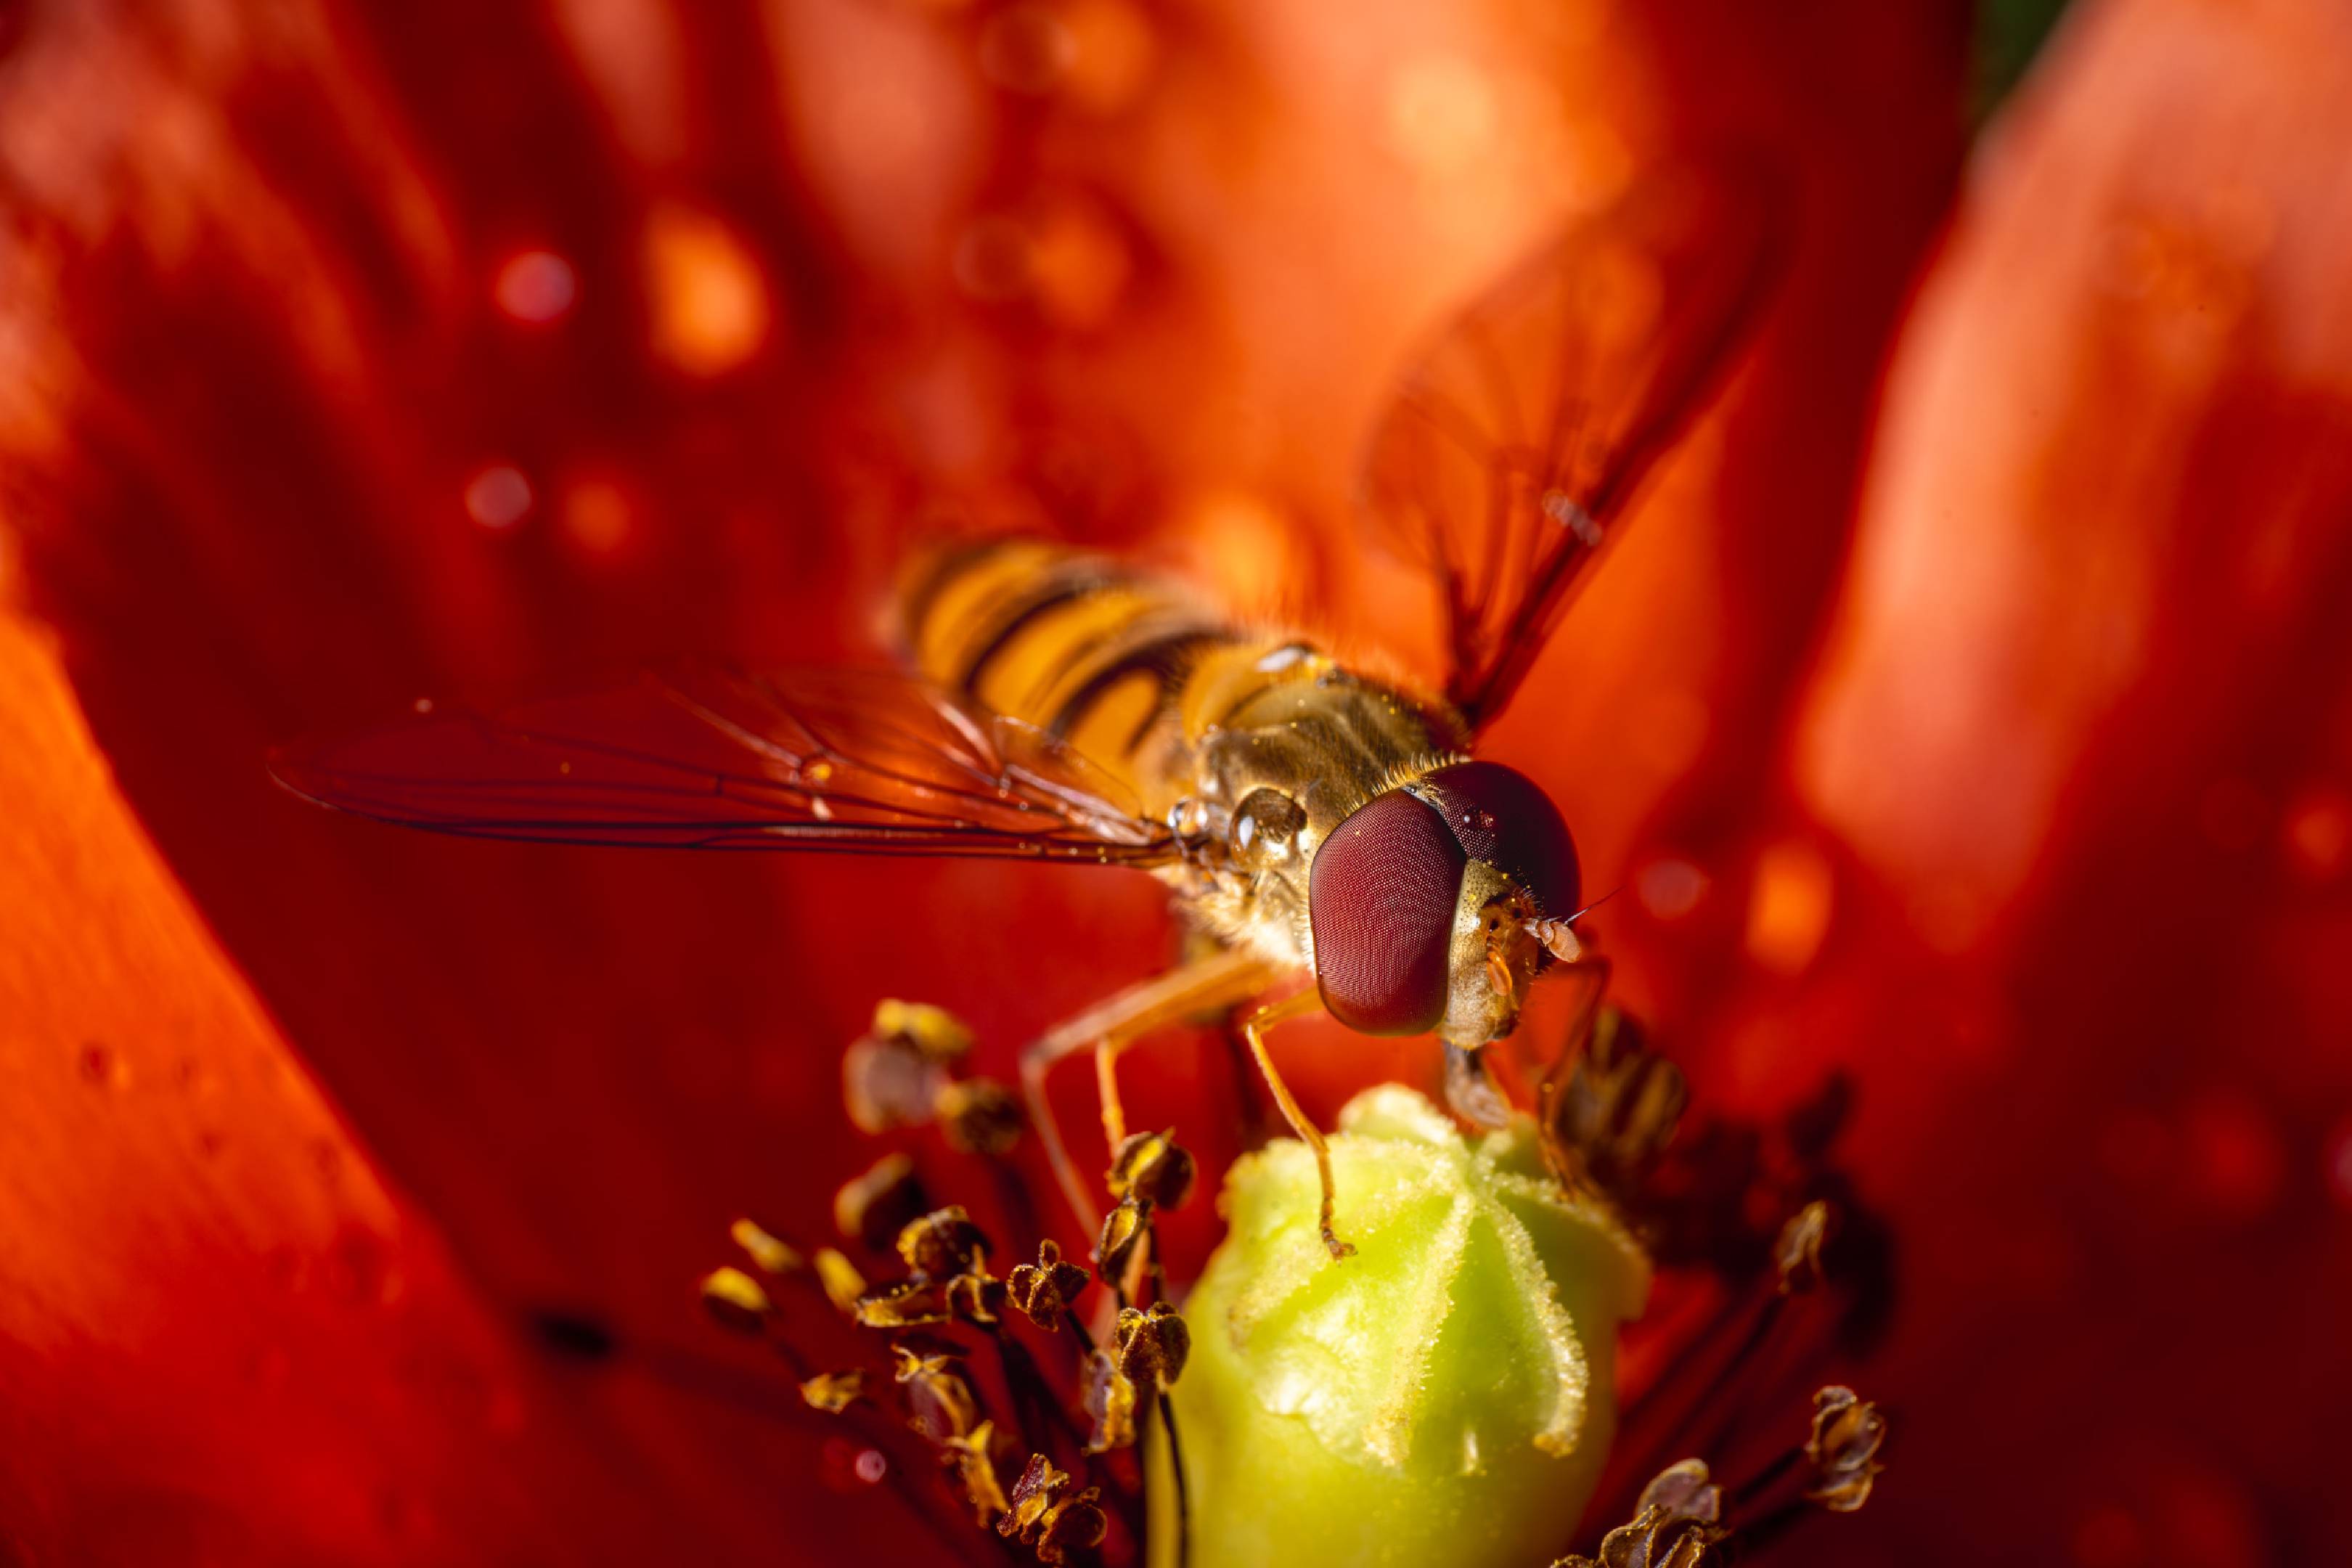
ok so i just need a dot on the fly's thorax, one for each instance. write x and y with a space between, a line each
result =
1290 763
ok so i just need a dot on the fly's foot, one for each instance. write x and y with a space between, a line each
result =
1331 1242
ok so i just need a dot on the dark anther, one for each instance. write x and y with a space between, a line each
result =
1042 1291
904 1304
1848 1432
1679 1525
1046 1514
1154 1168
735 1301
1122 1229
974 1456
835 1392
574 1335
1076 1526
1798 1252
938 1400
1621 1106
942 1244
887 1083
1151 1347
1685 1490
1676 1528
976 1298
978 1116
873 1207
1110 1400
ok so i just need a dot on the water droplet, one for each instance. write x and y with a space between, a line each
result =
872 1466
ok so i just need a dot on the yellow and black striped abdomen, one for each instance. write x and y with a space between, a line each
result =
1130 670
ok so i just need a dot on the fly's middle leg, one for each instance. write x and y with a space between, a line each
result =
1220 979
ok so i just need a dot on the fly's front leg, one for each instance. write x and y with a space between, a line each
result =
1220 979
1253 1028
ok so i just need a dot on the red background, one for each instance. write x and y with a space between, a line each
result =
1979 660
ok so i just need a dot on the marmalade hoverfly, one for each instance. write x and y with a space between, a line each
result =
1313 821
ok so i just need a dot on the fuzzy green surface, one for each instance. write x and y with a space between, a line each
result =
1442 1396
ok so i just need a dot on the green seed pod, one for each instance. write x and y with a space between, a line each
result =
1446 1395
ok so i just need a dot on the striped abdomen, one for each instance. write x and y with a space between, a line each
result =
1128 670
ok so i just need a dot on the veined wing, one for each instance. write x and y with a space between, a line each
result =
704 757
1516 443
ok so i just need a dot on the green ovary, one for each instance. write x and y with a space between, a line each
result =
1444 1396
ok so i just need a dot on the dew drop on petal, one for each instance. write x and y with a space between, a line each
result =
872 1467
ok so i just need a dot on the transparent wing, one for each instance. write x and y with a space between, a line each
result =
1515 444
704 757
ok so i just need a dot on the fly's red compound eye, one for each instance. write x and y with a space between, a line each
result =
1380 900
1501 816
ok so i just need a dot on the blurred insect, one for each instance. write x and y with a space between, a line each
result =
1313 822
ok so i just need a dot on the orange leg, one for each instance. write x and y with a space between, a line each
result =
1254 1030
1107 1027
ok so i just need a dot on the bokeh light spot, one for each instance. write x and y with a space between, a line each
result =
1113 52
1670 888
1441 113
498 497
2234 1157
992 259
1078 265
2318 833
872 1466
597 516
1026 49
707 295
1788 907
2108 1537
536 287
2337 1169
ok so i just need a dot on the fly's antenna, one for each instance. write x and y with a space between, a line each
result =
1557 934
1596 903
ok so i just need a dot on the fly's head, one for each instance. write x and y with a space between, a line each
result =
1435 904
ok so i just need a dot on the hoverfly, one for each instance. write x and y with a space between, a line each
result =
1313 821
